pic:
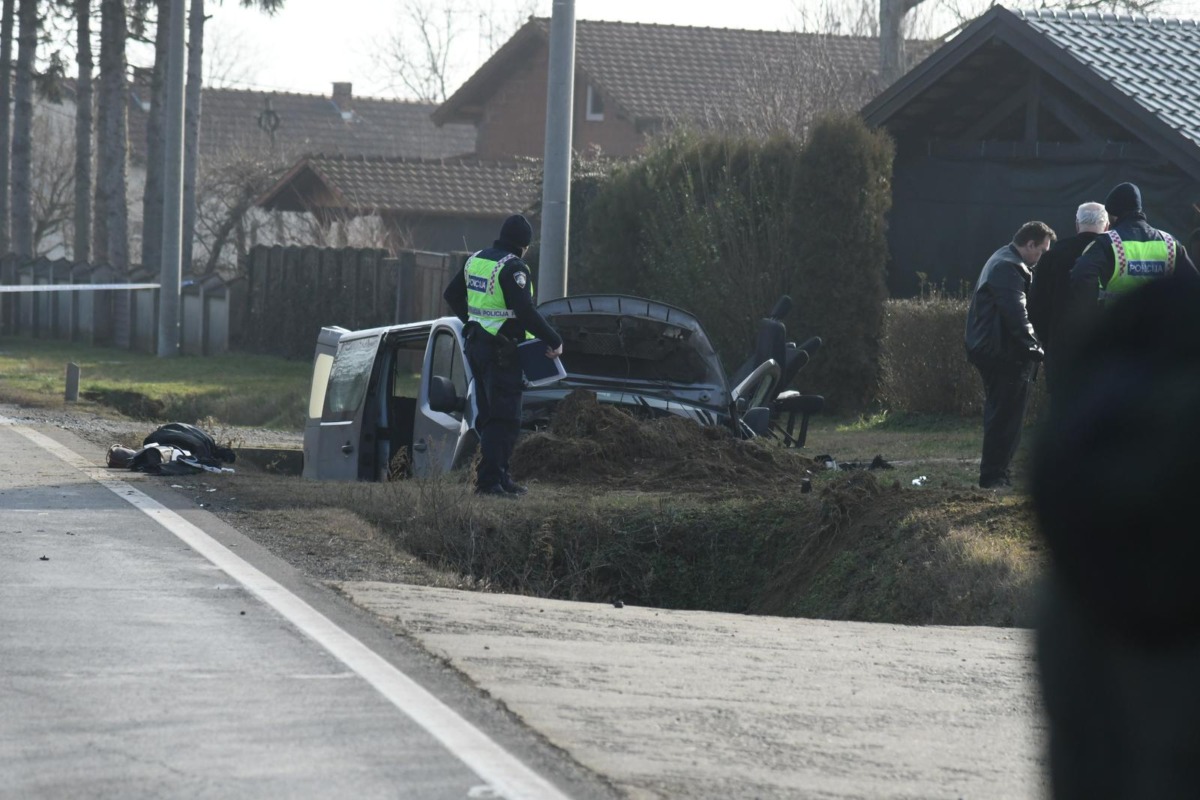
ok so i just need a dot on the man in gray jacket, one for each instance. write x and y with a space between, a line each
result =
1001 344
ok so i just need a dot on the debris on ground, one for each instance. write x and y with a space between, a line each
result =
592 443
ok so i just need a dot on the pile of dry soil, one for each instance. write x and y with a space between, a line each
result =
601 445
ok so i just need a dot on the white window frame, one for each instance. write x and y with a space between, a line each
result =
592 96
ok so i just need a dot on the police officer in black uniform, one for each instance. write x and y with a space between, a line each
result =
493 296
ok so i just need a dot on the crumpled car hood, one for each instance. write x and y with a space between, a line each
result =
629 344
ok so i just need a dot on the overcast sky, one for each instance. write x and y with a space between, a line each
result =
312 43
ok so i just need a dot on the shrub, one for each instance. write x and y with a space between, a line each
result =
722 226
925 368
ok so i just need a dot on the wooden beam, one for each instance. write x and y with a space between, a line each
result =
1041 151
1063 113
994 117
1033 94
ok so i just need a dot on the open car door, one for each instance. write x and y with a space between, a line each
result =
442 431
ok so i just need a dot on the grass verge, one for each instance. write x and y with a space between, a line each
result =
234 389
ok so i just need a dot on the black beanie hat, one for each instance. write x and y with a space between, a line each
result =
1124 199
516 231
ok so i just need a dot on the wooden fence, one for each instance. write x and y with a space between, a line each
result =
278 304
292 292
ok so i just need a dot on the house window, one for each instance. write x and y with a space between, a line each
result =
595 104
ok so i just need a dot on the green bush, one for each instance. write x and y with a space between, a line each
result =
925 368
723 226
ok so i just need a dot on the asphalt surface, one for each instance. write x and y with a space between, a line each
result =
134 666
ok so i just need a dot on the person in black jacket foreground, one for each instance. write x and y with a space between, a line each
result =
493 296
1001 344
1050 292
1115 467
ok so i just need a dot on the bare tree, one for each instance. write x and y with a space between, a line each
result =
225 196
229 60
22 141
156 143
191 128
112 213
6 39
82 244
53 183
425 54
783 92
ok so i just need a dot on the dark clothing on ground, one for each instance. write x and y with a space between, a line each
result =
1001 344
1095 266
494 364
1050 295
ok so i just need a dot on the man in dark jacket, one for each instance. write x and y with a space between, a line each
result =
1001 344
1132 254
1050 292
493 295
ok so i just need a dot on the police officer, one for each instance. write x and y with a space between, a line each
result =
1131 254
493 296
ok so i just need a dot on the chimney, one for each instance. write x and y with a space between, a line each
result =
342 95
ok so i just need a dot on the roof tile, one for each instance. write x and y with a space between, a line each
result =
233 119
452 186
1156 62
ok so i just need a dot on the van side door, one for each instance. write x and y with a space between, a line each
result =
445 412
327 342
342 416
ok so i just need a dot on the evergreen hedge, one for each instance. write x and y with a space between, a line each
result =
722 226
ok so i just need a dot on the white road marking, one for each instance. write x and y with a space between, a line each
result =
506 775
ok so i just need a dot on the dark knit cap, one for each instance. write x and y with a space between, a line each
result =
1124 199
516 231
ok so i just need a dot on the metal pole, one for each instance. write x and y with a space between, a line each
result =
172 229
556 176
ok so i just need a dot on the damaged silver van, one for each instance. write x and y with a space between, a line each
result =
404 395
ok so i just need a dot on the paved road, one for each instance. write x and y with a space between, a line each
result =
130 670
145 657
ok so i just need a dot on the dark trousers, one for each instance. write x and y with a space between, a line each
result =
498 391
1006 396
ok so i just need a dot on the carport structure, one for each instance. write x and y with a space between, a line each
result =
1025 115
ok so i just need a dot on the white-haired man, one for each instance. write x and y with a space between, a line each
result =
1050 293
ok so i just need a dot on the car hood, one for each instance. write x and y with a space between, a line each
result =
629 344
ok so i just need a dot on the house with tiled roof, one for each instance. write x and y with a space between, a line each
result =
633 80
233 121
1026 115
273 130
443 205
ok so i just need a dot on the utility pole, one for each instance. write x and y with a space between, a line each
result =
556 173
172 229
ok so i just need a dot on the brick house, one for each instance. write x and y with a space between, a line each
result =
633 80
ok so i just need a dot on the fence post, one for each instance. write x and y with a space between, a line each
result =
404 286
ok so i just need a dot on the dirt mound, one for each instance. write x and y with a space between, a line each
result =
589 442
